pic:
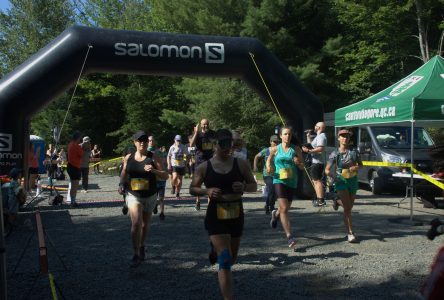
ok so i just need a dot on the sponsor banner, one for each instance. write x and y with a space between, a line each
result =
371 113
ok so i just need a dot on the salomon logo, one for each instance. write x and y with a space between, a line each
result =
214 53
5 142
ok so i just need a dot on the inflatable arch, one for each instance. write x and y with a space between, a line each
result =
56 67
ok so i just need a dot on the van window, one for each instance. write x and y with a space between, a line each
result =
399 137
330 133
365 136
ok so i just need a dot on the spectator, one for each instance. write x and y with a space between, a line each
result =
75 154
84 167
96 154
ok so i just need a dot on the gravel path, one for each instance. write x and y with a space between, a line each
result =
89 251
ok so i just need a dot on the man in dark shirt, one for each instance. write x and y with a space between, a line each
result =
203 140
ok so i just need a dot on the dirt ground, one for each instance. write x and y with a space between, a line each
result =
89 251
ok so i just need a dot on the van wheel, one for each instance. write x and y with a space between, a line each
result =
375 183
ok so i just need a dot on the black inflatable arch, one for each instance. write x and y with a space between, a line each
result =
56 67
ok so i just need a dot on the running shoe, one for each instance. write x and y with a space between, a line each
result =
135 261
142 253
351 238
273 222
321 202
433 231
291 242
315 202
197 206
125 209
212 255
162 216
155 209
177 195
74 204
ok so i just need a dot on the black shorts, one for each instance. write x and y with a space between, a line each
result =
284 191
317 171
179 170
214 226
33 170
73 172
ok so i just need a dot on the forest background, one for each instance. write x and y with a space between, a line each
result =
341 50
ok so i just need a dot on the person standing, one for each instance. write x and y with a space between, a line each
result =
96 154
33 166
283 161
268 178
347 163
226 178
238 150
75 154
84 167
318 158
202 139
175 160
138 180
160 183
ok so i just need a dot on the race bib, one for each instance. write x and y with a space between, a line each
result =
176 162
346 173
227 211
207 146
139 184
285 173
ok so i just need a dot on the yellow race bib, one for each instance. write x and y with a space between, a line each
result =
207 146
140 184
346 173
285 173
176 162
227 211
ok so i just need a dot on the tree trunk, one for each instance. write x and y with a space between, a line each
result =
422 32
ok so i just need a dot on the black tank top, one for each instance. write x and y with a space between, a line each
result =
141 182
223 181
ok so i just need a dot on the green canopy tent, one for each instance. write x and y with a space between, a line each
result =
417 99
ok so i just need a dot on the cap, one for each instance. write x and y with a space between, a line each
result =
344 131
86 139
274 138
139 134
177 138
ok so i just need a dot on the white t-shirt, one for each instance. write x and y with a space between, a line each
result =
177 155
319 141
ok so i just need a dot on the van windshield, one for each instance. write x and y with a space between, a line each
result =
399 137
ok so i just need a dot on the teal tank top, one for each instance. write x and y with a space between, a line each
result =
286 170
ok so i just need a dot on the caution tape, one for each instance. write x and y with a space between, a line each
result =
52 285
407 165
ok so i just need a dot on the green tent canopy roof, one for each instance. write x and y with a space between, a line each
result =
417 97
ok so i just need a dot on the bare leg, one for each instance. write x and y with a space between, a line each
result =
136 214
319 188
220 243
284 206
347 201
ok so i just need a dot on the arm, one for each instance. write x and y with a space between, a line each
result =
250 184
158 171
298 160
270 160
193 138
198 178
123 176
256 158
331 161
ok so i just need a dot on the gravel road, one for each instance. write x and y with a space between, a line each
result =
89 251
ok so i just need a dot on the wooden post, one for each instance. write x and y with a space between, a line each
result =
43 253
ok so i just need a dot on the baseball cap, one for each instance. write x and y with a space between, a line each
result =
177 138
344 132
139 134
274 138
86 139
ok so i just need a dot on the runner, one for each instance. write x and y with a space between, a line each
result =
202 140
347 163
75 153
161 184
226 179
282 162
268 178
138 179
175 160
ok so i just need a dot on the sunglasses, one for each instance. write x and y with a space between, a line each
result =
144 140
225 143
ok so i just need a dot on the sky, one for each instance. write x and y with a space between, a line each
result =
4 4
